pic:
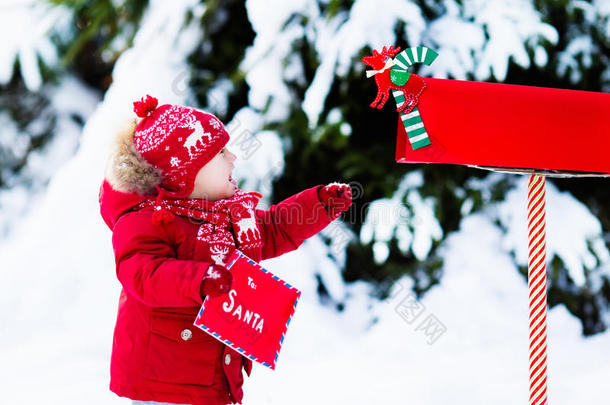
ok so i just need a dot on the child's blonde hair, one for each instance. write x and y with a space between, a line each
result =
126 170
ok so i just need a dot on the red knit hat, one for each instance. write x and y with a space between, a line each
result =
178 141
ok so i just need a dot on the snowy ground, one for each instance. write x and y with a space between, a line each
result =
58 293
481 358
60 297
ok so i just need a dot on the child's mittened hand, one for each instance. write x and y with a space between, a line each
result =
216 281
336 197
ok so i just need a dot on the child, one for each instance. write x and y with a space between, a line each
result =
176 215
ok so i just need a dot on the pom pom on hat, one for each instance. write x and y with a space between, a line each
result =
145 106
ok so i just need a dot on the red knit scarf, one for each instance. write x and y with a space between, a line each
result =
227 223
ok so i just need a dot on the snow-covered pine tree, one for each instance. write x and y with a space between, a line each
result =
294 78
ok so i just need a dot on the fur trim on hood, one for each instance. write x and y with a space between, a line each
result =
126 170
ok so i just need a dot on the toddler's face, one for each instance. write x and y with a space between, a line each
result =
214 180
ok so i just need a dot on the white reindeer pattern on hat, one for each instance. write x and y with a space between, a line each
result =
195 137
174 117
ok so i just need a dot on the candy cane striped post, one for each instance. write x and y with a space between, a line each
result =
536 224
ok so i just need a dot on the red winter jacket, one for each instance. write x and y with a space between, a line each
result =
157 353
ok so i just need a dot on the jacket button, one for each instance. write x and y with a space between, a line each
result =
228 359
186 334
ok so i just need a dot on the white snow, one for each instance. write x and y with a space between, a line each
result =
69 98
480 358
260 157
580 249
603 9
264 60
458 37
568 60
509 24
406 217
57 282
455 57
338 40
581 50
24 28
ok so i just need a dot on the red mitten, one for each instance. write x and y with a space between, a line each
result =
336 197
216 281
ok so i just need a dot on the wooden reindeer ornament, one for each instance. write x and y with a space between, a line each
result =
392 74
